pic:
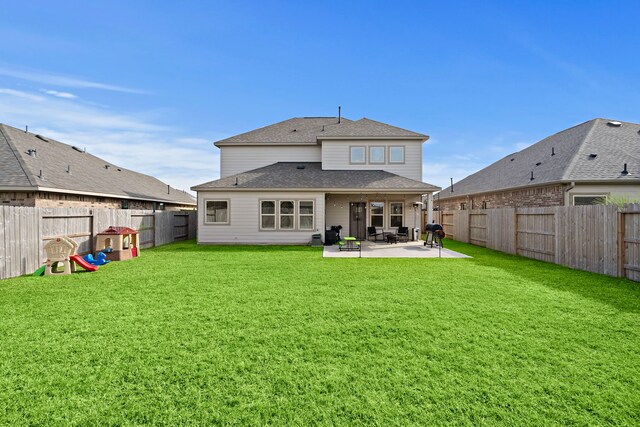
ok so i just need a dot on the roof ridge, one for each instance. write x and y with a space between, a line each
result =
393 126
27 172
574 156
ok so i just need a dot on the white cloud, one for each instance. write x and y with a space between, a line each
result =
440 173
37 109
65 95
20 94
126 140
63 81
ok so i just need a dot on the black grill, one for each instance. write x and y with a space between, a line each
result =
435 234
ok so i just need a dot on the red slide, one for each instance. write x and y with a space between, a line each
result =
82 263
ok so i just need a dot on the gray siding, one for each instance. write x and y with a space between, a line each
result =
237 159
244 218
336 156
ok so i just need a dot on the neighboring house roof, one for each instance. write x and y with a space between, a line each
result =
311 130
613 143
65 168
310 175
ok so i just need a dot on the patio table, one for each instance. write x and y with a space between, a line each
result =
349 244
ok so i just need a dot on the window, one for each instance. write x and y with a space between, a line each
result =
125 204
376 154
268 215
217 212
485 204
287 215
358 155
396 154
305 215
463 206
396 214
588 200
377 214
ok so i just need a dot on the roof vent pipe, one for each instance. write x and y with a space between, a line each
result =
339 113
26 129
168 189
41 175
32 152
68 169
553 151
625 171
531 179
451 184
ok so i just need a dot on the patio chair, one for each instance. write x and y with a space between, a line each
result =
403 234
372 232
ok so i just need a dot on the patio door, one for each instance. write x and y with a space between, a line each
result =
358 220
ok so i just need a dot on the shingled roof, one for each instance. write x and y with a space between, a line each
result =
309 175
311 130
58 166
594 151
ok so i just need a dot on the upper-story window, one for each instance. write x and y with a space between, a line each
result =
396 154
358 155
376 154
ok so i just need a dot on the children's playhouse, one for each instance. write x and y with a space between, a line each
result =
118 243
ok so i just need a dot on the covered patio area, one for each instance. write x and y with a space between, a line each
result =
396 250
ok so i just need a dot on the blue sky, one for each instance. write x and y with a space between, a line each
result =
149 85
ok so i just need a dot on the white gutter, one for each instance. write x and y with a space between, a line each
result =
418 191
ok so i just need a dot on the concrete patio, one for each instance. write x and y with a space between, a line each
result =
395 250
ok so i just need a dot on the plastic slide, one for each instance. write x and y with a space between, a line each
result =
40 271
82 263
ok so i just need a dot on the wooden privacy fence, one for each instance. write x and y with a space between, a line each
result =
25 230
602 239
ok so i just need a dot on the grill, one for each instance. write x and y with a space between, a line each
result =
435 234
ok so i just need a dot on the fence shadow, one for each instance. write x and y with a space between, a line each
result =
619 293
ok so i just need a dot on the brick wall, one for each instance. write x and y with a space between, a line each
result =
551 195
12 198
59 200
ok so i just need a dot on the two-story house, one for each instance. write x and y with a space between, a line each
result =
284 182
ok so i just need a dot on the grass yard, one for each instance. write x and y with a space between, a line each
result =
281 336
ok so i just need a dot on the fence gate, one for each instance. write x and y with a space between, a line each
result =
180 226
478 228
630 223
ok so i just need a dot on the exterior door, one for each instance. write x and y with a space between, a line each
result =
357 220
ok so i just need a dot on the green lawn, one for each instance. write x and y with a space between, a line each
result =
280 336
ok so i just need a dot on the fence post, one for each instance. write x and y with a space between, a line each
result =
621 254
515 231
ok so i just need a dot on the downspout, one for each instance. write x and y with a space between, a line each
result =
572 185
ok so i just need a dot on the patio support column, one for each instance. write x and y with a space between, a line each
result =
430 208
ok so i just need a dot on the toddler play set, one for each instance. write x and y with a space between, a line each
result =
113 244
118 243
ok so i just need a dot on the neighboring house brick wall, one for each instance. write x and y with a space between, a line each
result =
12 198
61 200
551 195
